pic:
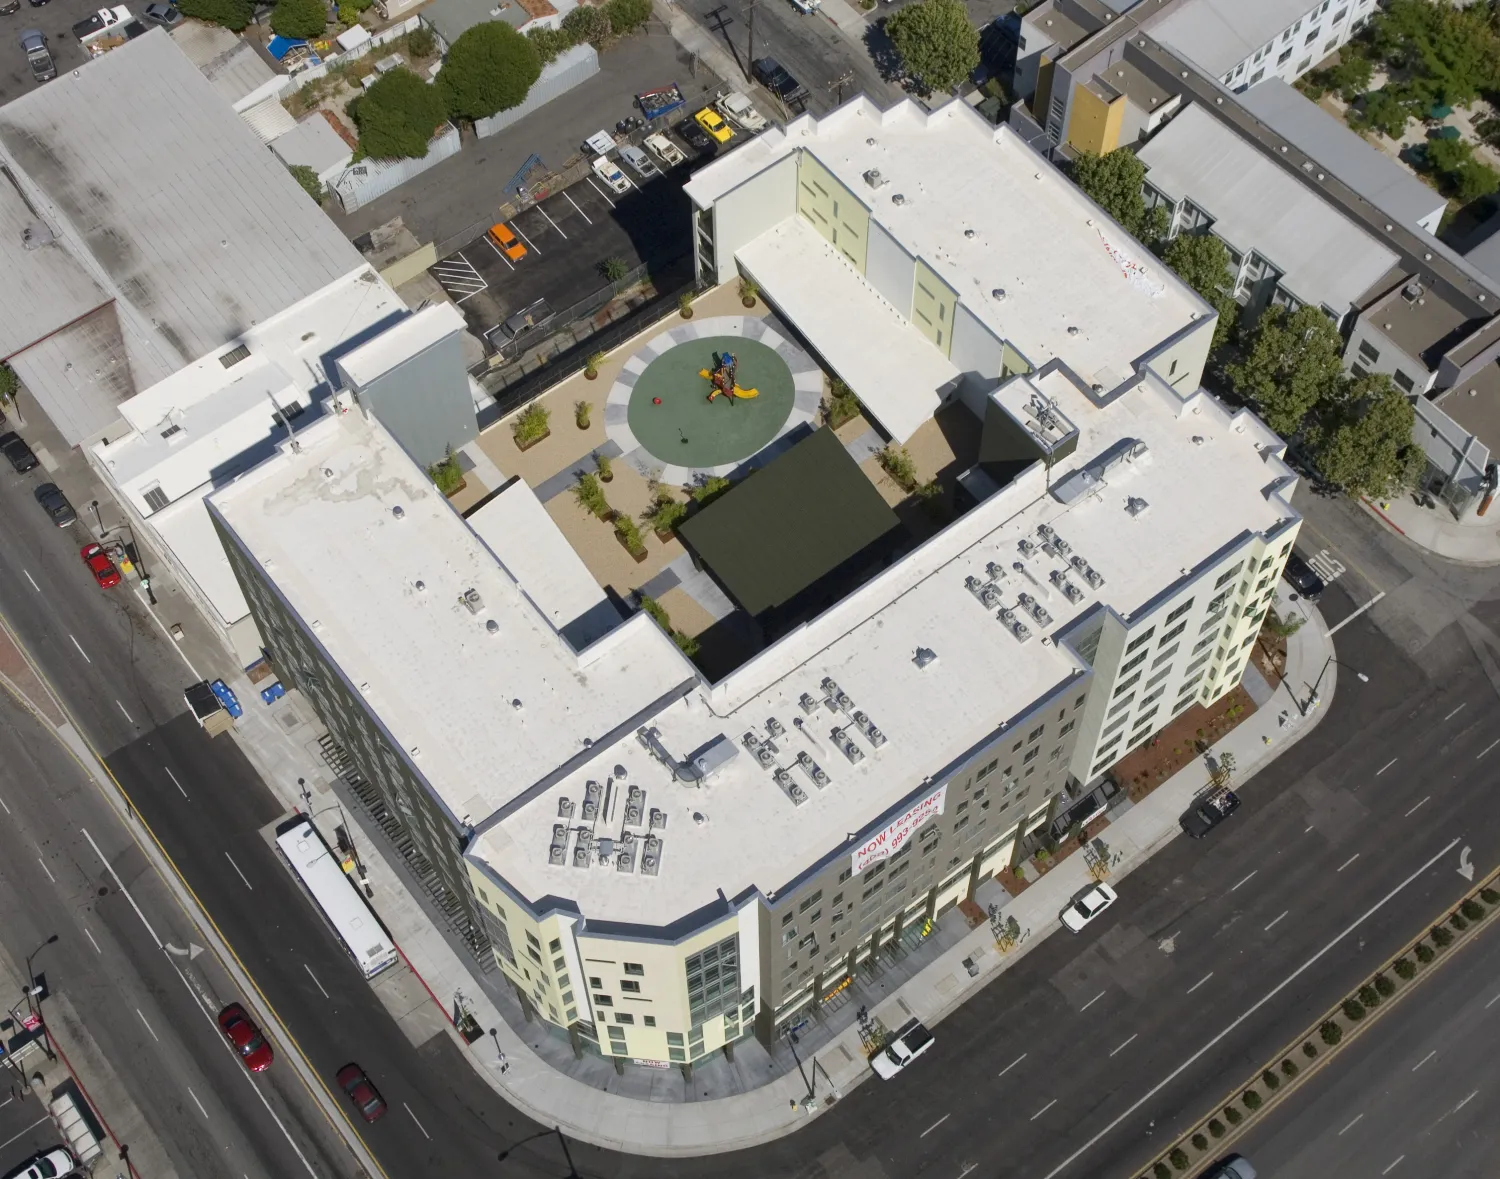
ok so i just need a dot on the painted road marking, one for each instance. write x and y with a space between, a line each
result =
47 870
1246 1014
499 253
236 867
81 651
196 1102
581 213
552 223
32 580
314 977
1022 1057
459 278
1326 567
934 1125
967 1168
1416 808
1466 1101
121 707
1424 1060
1486 749
4 807
1244 881
1200 982
1343 622
420 1127
92 942
120 884
175 782
1268 928
1125 1045
1044 1109
149 1028
1456 711
600 191
1393 1166
516 225
1385 767
39 1122
1350 1126
1347 862
1091 1002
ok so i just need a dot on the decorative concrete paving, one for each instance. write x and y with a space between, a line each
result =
807 385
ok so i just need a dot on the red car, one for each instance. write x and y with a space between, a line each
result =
245 1038
366 1097
100 566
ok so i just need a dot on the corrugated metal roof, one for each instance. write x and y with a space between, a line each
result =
269 119
1219 34
166 199
45 287
1324 257
1369 172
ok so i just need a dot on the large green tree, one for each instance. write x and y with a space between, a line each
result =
299 18
397 116
1202 261
1361 440
1290 365
1463 176
937 42
1451 52
232 14
586 23
1387 110
1115 182
626 16
488 69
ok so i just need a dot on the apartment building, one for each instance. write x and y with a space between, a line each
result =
660 863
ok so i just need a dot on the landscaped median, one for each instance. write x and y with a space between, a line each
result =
1210 1138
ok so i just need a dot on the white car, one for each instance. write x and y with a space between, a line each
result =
807 7
740 111
663 149
609 172
1088 905
48 1164
909 1042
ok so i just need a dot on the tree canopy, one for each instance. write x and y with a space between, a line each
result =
1290 364
1361 440
589 24
1462 175
626 16
308 179
232 14
1202 261
397 116
1115 182
937 42
1451 53
299 18
488 69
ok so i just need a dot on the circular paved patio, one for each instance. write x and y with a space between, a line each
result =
685 435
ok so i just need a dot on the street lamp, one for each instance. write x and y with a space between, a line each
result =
1312 697
33 997
572 1169
98 518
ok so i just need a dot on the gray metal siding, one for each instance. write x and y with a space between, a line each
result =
368 179
425 402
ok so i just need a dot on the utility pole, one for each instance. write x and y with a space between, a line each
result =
750 43
838 84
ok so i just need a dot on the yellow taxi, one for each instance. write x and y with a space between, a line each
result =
710 121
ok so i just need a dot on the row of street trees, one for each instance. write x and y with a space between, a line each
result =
1288 367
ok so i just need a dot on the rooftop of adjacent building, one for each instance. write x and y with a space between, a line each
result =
377 565
1026 252
1219 34
1421 320
1124 78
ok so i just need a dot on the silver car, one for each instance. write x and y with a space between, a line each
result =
38 56
640 163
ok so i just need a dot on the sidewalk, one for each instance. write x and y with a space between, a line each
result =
1474 541
282 742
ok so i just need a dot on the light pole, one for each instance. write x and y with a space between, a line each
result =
1312 697
572 1169
791 1040
33 1000
98 519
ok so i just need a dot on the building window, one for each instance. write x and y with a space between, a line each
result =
624 1017
1138 640
1403 382
649 1020
634 968
559 963
1225 576
596 983
809 902
674 1038
1179 611
603 1001
554 946
1164 656
1284 55
630 987
713 980
986 771
1124 684
1135 661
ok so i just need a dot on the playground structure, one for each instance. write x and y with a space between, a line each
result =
721 377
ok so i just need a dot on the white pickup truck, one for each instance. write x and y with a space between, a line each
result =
740 111
664 149
910 1041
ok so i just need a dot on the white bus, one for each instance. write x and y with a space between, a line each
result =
336 895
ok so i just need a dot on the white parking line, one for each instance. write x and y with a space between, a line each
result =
1486 749
1424 1060
516 225
196 1102
1466 1101
314 977
1385 767
1393 1166
175 782
499 253
1092 1001
4 807
600 191
48 871
40 1121
1268 928
420 1127
1416 808
1125 1045
149 1028
581 213
32 580
81 651
92 942
236 867
1022 1057
121 707
552 223
1350 1126
1347 862
934 1125
1044 1109
1456 711
1246 880
1200 982
120 884
1343 622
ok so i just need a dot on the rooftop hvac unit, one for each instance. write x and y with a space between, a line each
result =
592 793
651 857
1061 545
808 703
564 808
847 746
1027 548
974 586
812 770
874 179
1045 530
582 849
765 757
625 860
843 701
923 657
796 793
869 729
990 597
1136 506
751 740
774 727
1070 591
633 812
996 571
471 601
1035 609
658 819
830 686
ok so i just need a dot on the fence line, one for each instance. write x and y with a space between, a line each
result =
384 37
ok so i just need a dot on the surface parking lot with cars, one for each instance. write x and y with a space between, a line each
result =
568 235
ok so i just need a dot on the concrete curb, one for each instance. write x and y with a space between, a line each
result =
1218 1146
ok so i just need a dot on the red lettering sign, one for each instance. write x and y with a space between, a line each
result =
889 842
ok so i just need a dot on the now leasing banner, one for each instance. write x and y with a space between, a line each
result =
903 827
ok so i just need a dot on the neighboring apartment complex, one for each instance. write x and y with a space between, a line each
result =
662 864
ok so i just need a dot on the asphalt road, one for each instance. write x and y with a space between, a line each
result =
1416 1095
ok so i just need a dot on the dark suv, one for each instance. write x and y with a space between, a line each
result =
14 448
771 74
1209 810
1299 574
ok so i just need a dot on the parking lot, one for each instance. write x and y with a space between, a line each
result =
25 1125
56 20
567 237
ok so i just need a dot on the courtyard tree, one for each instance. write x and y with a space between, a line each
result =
626 16
589 24
937 42
488 69
232 14
1450 52
308 179
397 116
1290 365
1202 261
302 19
1361 441
1462 175
1115 182
1387 110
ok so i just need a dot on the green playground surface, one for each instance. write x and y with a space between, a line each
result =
688 430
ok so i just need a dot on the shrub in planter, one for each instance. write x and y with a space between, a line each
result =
709 490
530 425
591 365
1233 1115
630 535
1216 1128
605 467
1331 1032
898 464
590 495
1178 1158
749 291
1369 996
1403 968
1161 1171
1200 1142
1289 1068
1308 1050
1472 909
1354 1010
685 304
581 412
1270 1080
1458 922
1425 953
1489 896
1385 986
1441 937
447 475
664 514
1251 1099
613 269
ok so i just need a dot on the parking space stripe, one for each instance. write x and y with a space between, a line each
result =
459 278
499 253
552 223
581 213
600 191
516 225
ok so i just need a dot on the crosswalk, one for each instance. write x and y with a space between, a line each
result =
1324 565
459 278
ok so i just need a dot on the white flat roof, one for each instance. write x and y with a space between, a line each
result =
897 373
401 342
1060 260
1219 34
1324 257
321 523
185 528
